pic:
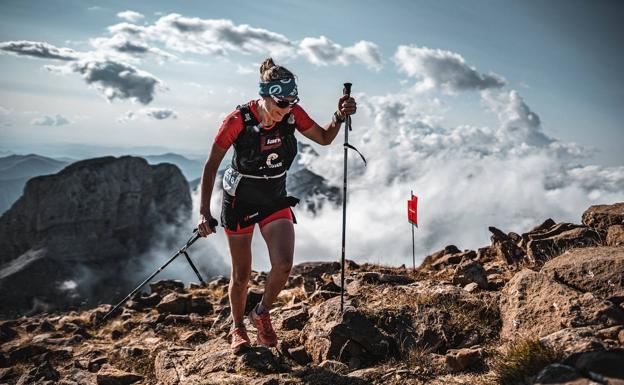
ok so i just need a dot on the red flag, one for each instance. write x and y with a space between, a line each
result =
412 212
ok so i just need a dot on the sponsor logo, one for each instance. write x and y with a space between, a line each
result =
270 143
286 81
247 117
291 119
275 89
269 162
251 216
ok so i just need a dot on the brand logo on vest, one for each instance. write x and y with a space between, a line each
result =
248 217
270 160
270 142
291 119
247 116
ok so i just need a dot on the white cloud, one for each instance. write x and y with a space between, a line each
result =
130 16
37 49
56 120
123 47
444 70
149 113
216 36
322 51
117 80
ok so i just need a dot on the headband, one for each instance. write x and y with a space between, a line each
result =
280 88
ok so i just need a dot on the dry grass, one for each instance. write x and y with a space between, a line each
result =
519 361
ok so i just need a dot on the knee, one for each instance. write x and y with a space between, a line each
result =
283 267
240 278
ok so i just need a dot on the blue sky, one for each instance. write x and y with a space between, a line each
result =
564 57
493 112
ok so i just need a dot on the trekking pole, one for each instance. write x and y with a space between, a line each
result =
346 91
213 223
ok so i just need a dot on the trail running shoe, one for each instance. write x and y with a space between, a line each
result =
262 322
240 340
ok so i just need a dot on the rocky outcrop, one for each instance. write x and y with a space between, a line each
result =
604 216
462 317
94 215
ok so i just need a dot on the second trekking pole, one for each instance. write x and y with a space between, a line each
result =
346 91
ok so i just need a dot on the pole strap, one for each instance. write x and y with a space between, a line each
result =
347 145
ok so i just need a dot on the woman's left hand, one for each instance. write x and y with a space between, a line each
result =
346 105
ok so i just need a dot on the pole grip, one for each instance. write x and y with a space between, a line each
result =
213 223
347 89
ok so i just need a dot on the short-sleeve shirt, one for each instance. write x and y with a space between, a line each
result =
233 124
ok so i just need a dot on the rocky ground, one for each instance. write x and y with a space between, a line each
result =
542 307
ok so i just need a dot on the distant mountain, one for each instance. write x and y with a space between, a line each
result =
192 169
15 170
27 166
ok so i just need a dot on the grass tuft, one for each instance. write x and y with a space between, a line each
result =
521 360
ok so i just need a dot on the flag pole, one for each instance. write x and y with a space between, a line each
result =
413 245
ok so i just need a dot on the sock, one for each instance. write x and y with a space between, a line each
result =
260 308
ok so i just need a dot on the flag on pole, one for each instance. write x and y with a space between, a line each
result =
412 212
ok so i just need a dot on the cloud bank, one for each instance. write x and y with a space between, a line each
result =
443 70
149 113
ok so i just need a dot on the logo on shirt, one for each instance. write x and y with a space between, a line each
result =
269 162
270 142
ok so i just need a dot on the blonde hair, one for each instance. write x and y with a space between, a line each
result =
270 71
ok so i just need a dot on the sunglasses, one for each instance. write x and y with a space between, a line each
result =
283 103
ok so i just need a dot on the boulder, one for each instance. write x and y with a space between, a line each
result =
175 303
470 271
461 359
560 238
604 364
165 286
504 247
430 259
560 374
534 303
615 235
599 270
299 355
330 335
603 216
108 375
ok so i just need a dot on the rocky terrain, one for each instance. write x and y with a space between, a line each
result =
541 307
71 236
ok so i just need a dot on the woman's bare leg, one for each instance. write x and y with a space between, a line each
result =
280 239
240 250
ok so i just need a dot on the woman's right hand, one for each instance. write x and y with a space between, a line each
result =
203 226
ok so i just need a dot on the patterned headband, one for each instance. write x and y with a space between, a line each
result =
280 88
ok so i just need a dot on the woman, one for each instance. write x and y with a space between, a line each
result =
262 133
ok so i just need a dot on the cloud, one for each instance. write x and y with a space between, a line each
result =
120 46
216 36
117 80
444 70
151 113
130 16
39 50
53 121
322 51
219 37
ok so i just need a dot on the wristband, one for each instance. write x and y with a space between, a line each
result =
338 118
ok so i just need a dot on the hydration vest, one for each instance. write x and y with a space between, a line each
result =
261 152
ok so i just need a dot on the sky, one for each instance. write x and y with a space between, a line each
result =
495 112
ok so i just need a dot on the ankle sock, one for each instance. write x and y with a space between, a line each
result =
260 309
